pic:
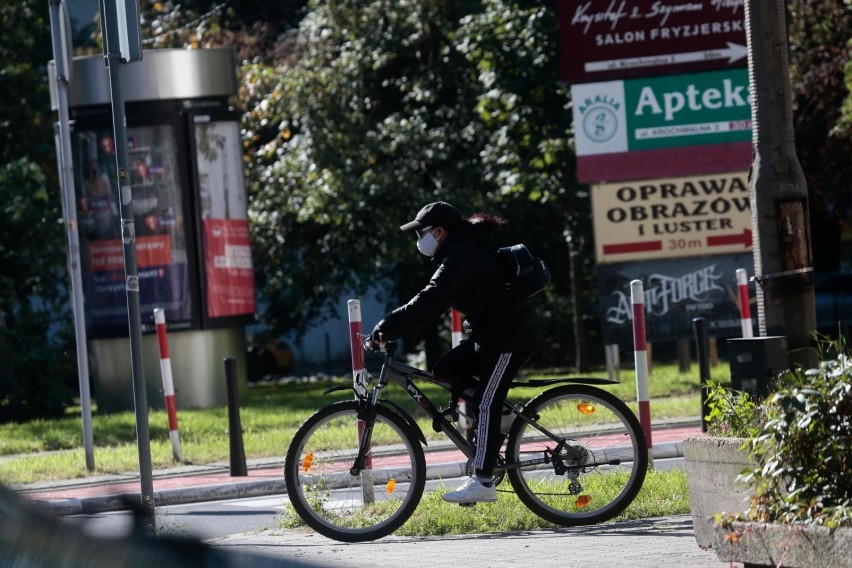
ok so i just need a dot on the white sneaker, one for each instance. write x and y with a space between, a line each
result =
472 491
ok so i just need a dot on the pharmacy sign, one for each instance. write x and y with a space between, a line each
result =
616 122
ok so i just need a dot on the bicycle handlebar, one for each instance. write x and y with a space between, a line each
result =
388 347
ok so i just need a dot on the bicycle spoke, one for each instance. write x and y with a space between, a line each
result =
349 507
596 464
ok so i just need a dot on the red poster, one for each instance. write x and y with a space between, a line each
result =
228 267
108 254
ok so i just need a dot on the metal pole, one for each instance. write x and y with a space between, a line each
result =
112 58
702 349
62 59
235 428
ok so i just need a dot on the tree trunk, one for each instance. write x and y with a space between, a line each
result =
777 190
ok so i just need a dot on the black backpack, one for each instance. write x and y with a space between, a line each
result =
528 275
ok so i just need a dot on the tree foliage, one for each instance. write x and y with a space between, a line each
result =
25 48
35 371
32 297
390 105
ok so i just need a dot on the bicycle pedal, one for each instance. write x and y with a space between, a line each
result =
467 504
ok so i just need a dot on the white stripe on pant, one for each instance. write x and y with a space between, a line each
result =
485 409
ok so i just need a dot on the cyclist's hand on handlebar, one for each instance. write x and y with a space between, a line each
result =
375 341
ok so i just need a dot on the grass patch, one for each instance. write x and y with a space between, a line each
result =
663 493
270 415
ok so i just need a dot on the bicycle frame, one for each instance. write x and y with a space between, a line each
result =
405 376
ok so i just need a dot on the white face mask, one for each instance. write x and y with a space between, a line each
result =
427 244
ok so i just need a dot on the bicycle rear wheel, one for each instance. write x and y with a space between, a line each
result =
348 507
599 469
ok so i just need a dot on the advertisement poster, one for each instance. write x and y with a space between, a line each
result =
676 292
159 222
605 39
672 217
663 126
224 216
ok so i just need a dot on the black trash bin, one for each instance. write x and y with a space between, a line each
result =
755 361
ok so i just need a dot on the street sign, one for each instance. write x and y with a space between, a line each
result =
129 36
670 218
618 39
615 122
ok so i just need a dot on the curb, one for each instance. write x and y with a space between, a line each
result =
240 490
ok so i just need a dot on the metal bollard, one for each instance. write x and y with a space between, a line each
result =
702 349
235 430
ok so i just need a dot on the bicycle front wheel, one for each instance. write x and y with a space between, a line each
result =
595 455
346 507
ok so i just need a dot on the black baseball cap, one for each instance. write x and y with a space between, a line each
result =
438 214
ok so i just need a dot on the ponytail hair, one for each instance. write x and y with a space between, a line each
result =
484 226
493 222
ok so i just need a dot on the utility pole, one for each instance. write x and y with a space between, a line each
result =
778 192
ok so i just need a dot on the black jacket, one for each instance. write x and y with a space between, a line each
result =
471 280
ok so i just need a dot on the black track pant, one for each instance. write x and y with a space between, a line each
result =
495 372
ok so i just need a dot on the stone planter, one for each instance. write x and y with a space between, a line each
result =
712 466
791 546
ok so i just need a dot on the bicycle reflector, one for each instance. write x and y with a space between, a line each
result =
308 462
583 501
390 486
586 408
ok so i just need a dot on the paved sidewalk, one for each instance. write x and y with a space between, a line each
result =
647 543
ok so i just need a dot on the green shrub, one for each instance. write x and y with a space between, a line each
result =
804 464
733 414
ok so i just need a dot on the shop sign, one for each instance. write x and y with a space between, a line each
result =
675 293
617 39
675 217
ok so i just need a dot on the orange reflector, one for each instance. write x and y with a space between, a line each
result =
308 462
586 408
583 501
390 486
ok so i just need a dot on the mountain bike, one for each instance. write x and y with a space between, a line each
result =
356 470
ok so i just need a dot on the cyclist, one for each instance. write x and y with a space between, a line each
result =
502 326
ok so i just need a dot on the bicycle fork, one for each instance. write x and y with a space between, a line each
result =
363 465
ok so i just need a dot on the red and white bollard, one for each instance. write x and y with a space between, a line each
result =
456 330
168 385
456 327
356 338
745 306
358 370
640 354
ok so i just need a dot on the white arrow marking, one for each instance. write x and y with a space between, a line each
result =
733 52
